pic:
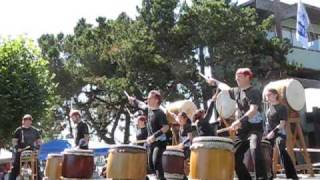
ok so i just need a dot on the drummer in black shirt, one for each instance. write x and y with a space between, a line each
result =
142 132
157 126
248 123
82 131
25 137
277 115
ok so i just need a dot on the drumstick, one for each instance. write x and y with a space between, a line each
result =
223 130
221 85
24 149
139 141
125 92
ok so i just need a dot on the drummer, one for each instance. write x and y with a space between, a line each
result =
277 115
82 133
185 133
248 123
201 119
157 126
25 137
142 132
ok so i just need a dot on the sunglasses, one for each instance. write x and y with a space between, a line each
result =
27 119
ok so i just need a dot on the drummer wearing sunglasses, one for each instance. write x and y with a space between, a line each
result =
26 137
157 126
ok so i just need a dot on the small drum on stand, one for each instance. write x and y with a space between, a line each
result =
77 164
186 106
53 170
266 150
212 158
225 105
291 92
127 162
173 163
28 165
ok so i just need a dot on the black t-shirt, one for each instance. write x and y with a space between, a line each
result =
203 126
142 134
183 132
82 129
275 114
244 98
156 120
26 136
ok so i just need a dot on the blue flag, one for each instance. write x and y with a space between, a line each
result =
302 25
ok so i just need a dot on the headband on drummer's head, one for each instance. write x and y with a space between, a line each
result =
74 112
27 117
245 72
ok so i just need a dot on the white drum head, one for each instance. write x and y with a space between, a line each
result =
295 95
225 105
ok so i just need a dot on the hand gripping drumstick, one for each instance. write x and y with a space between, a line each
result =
223 130
20 150
139 141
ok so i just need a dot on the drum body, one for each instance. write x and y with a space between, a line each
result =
225 105
181 106
173 163
266 150
53 169
77 163
212 158
291 92
127 162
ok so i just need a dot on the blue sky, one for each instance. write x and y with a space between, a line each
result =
36 17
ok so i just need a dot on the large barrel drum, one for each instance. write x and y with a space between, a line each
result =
181 106
291 92
225 105
77 164
212 158
173 163
53 169
127 162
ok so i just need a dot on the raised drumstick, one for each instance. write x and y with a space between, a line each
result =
125 92
221 85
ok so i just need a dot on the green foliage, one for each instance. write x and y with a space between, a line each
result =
25 84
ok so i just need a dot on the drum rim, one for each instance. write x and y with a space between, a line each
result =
83 152
55 155
212 138
176 153
128 146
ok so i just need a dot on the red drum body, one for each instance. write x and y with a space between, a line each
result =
173 163
77 164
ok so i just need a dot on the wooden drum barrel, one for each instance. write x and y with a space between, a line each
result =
212 158
225 105
127 162
291 92
181 106
53 169
173 163
77 164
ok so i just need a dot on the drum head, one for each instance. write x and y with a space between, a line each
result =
183 106
127 148
81 152
212 142
295 95
225 105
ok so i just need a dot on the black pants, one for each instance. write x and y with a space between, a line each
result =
241 146
15 170
155 152
280 142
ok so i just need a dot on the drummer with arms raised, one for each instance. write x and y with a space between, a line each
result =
82 131
277 115
248 123
26 137
157 126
